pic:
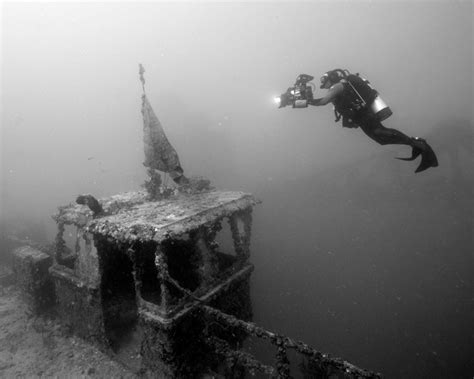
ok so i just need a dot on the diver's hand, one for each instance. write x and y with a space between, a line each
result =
285 98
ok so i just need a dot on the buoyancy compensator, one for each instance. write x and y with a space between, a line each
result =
363 96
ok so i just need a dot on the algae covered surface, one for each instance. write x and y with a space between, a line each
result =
130 217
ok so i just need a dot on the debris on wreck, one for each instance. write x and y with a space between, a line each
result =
91 202
160 155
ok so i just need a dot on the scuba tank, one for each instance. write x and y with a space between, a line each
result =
376 105
380 109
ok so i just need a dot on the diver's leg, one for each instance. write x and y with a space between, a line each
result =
385 136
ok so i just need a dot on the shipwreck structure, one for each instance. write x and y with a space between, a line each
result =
159 278
163 287
151 265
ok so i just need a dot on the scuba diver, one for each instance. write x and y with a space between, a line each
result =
359 105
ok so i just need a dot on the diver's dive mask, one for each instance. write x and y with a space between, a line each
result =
324 80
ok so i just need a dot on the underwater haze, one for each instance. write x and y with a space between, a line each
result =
354 253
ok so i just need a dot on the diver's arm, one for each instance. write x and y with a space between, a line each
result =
334 91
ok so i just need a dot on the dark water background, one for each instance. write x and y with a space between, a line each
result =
354 253
378 273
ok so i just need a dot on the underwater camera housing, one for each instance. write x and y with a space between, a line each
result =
298 95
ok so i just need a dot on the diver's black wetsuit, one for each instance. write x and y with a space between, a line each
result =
373 128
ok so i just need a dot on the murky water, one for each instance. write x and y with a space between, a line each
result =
353 252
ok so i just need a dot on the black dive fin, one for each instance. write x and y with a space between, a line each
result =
414 154
428 159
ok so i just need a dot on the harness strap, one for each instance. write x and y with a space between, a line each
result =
357 93
337 115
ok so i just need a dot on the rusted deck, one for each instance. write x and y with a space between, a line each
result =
130 217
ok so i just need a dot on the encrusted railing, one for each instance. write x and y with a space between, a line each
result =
282 343
323 362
